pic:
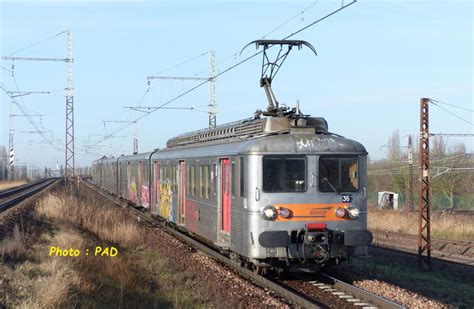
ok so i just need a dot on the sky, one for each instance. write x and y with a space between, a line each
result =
375 60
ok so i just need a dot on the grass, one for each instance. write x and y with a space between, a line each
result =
443 225
14 246
5 185
137 277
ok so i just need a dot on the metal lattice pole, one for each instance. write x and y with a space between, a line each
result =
212 90
69 155
424 237
410 177
10 145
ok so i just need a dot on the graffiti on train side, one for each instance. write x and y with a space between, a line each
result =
145 196
132 190
316 143
166 200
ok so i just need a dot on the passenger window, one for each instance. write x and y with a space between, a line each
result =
214 185
207 188
193 179
242 177
188 180
201 181
233 181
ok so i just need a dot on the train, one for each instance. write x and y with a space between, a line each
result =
276 191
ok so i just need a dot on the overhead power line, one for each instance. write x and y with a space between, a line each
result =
343 6
460 118
452 105
37 43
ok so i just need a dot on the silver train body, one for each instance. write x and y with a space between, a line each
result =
285 194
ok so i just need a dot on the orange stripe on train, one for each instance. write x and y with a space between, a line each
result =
312 212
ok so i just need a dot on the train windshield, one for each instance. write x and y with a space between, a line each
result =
338 174
284 174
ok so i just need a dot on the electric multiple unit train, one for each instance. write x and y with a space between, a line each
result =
275 191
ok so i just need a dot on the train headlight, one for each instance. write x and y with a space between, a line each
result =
354 212
269 213
284 212
340 212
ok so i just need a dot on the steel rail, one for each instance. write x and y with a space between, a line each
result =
15 190
257 279
26 192
288 293
363 294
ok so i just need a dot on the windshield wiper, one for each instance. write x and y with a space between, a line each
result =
325 179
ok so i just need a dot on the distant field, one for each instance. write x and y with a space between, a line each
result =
448 225
5 185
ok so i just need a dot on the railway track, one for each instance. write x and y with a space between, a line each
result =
11 197
354 296
450 250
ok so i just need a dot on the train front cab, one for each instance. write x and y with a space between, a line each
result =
312 210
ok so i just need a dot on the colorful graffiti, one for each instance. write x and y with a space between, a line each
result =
166 200
145 196
132 190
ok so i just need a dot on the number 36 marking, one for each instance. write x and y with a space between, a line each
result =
346 198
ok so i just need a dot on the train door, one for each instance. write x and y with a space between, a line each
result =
225 195
181 180
157 187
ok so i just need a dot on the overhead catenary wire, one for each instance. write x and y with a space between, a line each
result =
460 118
181 63
27 113
452 105
37 43
290 19
343 6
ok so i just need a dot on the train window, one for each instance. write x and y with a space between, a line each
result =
193 180
214 184
233 182
188 180
173 178
242 177
338 174
201 181
207 188
284 174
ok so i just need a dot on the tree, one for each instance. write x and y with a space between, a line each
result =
459 149
4 162
438 147
394 146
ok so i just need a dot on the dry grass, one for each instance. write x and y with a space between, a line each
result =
5 185
443 225
40 282
13 247
110 225
136 277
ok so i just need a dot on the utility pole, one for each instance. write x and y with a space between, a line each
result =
135 132
10 145
424 233
69 153
212 90
212 86
69 149
11 130
410 176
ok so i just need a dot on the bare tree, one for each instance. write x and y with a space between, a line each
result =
438 147
459 149
394 146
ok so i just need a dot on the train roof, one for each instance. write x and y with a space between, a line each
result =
290 143
271 135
